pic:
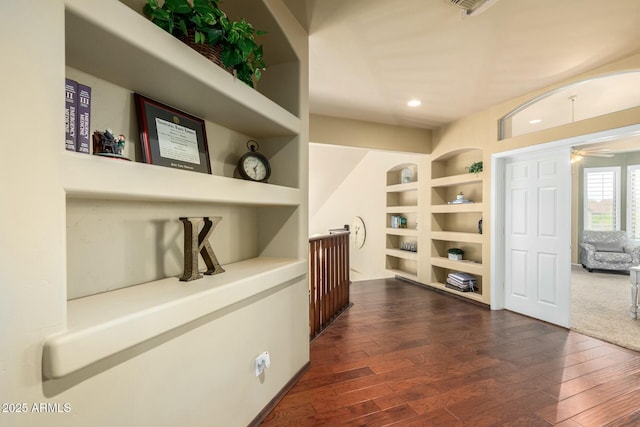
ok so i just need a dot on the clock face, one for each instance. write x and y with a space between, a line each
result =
254 167
358 232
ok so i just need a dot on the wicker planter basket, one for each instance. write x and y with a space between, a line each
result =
212 53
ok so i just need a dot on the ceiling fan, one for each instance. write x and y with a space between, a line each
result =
579 154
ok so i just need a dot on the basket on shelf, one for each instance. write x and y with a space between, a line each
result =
212 52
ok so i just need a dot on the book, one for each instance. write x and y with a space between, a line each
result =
458 288
471 285
83 119
463 277
70 113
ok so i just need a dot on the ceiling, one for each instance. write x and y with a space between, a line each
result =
368 58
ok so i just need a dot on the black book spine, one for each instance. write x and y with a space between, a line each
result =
84 119
70 113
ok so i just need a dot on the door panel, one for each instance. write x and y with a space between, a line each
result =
537 236
519 273
547 278
547 208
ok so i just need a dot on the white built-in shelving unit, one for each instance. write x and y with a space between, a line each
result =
403 199
456 225
261 240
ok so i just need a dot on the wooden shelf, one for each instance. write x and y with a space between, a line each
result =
399 253
457 208
408 186
152 62
402 231
102 325
464 266
93 177
449 181
451 236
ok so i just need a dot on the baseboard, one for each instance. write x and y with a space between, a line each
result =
278 397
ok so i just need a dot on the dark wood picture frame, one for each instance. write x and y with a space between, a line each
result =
170 137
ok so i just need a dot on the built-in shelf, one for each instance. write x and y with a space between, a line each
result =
471 295
102 325
152 62
456 224
458 208
408 186
462 265
402 209
450 181
93 177
404 199
402 231
399 253
452 236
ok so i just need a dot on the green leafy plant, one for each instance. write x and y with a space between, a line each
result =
240 51
207 24
455 251
475 167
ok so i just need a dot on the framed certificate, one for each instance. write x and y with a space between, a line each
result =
170 137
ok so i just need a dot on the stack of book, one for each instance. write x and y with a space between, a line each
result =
77 116
462 282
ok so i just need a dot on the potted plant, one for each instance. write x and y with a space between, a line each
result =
240 51
206 28
475 168
455 254
460 196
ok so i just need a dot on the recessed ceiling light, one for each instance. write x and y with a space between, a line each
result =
535 121
414 103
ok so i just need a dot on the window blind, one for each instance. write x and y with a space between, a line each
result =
633 203
602 199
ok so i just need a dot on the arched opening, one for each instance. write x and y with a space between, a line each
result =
577 101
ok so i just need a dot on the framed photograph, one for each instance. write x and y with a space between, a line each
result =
170 137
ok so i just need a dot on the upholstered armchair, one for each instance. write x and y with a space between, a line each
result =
608 250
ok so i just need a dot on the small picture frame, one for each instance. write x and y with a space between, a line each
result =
170 137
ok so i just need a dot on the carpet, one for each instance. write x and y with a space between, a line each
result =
600 307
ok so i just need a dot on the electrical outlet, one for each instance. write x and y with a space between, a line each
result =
262 362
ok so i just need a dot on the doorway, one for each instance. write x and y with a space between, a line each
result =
502 263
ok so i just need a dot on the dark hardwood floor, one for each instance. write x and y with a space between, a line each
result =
407 356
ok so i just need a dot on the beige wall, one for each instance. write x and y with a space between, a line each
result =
357 133
480 130
360 192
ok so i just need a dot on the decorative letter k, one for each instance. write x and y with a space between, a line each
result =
195 243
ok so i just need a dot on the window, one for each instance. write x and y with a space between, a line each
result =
602 198
576 101
633 203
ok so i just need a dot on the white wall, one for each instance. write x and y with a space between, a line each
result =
201 374
360 192
32 205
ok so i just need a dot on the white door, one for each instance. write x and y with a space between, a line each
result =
538 235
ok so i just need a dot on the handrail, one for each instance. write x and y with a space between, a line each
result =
328 279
